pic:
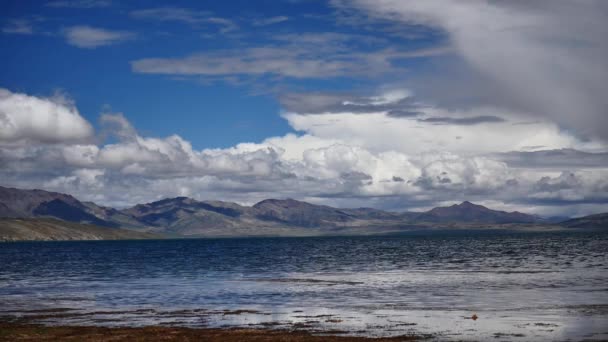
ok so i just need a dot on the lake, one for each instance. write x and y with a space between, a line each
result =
521 287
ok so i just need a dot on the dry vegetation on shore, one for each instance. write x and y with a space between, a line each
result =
31 332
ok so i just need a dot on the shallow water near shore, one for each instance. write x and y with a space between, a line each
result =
520 286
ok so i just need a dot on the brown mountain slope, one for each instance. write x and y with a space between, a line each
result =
473 213
47 229
596 221
187 217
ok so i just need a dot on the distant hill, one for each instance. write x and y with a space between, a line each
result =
296 213
30 203
186 217
36 229
18 203
473 213
592 221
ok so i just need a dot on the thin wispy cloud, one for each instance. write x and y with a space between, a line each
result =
18 26
92 37
475 120
270 21
172 14
305 55
79 3
185 15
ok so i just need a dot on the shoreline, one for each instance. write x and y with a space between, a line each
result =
39 332
64 324
418 232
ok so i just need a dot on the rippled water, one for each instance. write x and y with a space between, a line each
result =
522 287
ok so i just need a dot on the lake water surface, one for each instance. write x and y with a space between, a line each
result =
523 287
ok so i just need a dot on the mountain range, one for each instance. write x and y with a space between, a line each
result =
186 217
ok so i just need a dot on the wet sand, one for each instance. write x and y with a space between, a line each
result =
33 332
245 324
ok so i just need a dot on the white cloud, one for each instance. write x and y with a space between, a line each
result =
80 155
270 20
25 118
307 55
360 159
546 57
91 37
380 132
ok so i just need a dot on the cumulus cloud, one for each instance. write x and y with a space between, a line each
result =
588 186
117 125
337 158
92 37
25 118
380 131
554 159
547 58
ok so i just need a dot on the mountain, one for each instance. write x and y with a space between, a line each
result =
24 203
473 213
46 229
297 213
591 221
17 203
187 217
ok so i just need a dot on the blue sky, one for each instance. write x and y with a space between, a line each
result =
395 104
209 110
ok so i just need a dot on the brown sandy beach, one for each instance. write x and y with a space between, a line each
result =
34 332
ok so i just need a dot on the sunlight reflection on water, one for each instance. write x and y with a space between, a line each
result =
526 287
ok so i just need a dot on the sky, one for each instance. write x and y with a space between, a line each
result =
391 104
